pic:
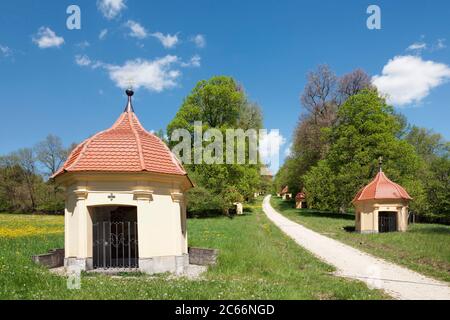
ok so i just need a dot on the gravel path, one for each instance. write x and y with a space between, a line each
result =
399 282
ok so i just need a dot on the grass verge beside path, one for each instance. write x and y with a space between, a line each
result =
256 261
424 248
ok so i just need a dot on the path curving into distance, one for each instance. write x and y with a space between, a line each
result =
397 281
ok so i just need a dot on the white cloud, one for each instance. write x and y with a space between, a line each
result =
417 46
6 51
409 79
199 40
136 30
168 41
193 62
47 38
440 44
103 34
288 150
83 44
154 75
139 31
269 149
111 8
420 46
83 60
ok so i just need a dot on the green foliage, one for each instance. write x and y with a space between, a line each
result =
321 187
435 173
366 128
216 102
438 187
322 96
222 104
203 202
290 174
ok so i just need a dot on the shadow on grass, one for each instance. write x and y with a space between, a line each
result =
214 213
350 229
290 205
431 230
325 214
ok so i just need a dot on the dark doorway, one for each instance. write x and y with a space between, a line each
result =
115 238
387 221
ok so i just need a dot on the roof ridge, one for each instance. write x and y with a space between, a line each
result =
400 191
89 140
379 175
364 189
118 121
138 139
396 186
174 159
83 150
71 154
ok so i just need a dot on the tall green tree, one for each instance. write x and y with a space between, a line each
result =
220 103
321 98
365 129
435 176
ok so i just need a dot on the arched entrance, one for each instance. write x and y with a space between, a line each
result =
387 221
114 237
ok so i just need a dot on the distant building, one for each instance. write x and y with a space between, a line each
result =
300 201
285 195
381 206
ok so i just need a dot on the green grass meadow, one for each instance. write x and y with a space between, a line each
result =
256 261
424 247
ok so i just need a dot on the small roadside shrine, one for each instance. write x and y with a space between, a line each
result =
300 200
381 206
125 203
285 193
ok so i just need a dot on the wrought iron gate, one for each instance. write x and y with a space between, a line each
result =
115 244
387 221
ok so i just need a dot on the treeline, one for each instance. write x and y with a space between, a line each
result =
344 128
25 186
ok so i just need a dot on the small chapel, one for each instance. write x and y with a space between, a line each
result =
125 201
381 206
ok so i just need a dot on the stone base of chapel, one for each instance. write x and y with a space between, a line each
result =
82 264
367 231
172 264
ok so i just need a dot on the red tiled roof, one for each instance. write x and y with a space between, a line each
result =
381 188
125 147
300 196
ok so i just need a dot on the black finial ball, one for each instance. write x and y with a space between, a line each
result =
129 92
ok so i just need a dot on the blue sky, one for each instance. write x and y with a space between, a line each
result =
66 82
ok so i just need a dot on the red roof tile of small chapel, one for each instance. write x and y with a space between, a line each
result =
125 147
300 196
381 188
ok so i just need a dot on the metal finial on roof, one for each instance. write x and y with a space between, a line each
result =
129 107
380 163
